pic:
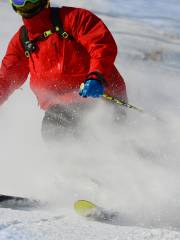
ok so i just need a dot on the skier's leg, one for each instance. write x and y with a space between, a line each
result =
61 121
120 112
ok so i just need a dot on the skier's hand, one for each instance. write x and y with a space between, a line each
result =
91 88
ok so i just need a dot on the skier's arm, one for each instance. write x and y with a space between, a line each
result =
92 33
14 68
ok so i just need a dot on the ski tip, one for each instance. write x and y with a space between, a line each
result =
84 207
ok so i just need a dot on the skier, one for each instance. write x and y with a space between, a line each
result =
69 54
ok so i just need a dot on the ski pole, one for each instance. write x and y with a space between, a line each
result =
121 103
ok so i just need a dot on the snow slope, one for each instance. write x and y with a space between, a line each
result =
133 168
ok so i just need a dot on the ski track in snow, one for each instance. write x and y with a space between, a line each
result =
133 169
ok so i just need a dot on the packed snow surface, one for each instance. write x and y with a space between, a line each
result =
132 168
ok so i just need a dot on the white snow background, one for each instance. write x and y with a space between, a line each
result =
133 168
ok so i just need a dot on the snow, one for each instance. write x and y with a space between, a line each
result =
71 227
133 168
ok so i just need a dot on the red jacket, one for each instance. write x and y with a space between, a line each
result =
59 66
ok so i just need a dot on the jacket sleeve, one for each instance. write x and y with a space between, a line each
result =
14 68
92 33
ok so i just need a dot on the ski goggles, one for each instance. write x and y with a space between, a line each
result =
22 3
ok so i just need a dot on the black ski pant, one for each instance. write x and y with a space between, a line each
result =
63 121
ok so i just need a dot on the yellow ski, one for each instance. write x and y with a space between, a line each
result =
93 212
85 208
